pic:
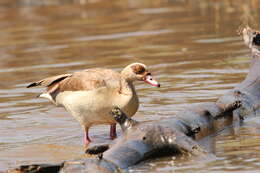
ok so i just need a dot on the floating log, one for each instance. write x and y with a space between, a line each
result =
176 135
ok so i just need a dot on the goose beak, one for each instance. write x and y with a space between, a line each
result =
148 79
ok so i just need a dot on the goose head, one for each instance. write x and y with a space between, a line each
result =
138 72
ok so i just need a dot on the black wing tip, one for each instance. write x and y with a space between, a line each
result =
57 80
32 85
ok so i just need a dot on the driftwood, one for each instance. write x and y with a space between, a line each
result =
176 135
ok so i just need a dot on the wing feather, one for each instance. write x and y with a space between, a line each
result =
47 82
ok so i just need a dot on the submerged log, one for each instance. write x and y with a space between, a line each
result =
176 135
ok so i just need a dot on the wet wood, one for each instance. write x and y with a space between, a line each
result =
176 135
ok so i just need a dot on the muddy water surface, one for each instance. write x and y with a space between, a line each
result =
191 47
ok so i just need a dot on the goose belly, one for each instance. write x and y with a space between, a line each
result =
93 107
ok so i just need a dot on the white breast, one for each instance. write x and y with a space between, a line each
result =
92 107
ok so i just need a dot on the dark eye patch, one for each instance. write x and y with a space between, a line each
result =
256 39
138 69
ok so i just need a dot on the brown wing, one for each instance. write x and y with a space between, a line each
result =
49 81
84 80
90 79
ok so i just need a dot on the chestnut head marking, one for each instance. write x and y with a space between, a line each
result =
138 69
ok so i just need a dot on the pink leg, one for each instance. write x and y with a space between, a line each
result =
113 131
86 137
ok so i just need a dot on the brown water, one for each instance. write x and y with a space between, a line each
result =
191 47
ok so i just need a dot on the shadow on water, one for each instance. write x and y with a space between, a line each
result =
191 47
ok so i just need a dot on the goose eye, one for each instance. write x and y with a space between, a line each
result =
138 69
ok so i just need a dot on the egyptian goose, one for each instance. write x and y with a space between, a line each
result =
89 95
